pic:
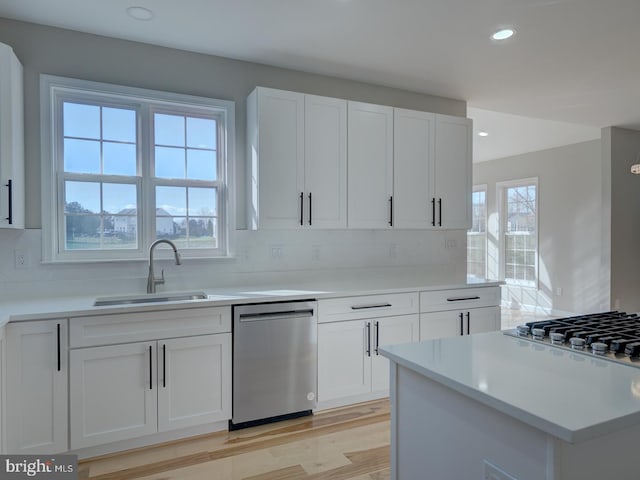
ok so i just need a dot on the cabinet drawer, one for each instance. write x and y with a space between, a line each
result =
137 327
367 306
460 298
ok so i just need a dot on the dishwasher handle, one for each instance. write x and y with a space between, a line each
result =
259 317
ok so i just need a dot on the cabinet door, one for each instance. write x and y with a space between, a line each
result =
413 169
344 359
453 171
37 400
194 381
275 123
390 331
484 319
11 140
441 324
112 393
325 162
2 391
370 166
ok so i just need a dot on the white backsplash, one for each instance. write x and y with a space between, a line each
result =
305 256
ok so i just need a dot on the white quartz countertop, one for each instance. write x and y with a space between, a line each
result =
571 396
68 307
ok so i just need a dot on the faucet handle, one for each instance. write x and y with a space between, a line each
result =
160 281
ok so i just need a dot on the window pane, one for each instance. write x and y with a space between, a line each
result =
124 230
81 120
172 228
202 233
201 164
173 200
170 162
81 156
201 133
119 124
82 232
169 130
119 158
119 199
82 197
202 201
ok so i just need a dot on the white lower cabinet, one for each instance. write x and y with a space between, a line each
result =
37 387
451 323
125 391
2 391
348 360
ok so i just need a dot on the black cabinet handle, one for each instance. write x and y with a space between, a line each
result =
309 208
301 208
439 212
461 324
433 212
372 305
150 368
468 321
164 366
368 327
58 341
460 299
391 211
377 336
10 203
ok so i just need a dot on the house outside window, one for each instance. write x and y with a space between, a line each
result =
127 166
477 235
519 225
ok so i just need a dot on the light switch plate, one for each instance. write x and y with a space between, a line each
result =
491 472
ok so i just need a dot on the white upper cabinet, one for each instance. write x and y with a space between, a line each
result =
325 162
11 140
453 172
297 147
413 169
275 128
370 166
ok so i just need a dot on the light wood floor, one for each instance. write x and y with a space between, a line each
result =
350 443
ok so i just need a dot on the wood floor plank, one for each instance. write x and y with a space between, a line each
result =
349 443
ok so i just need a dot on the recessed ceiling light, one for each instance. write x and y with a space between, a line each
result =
503 34
140 13
483 134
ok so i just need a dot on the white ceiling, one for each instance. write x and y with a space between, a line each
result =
571 61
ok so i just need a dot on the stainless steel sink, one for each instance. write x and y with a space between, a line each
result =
150 298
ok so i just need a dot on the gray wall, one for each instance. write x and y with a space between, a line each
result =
621 191
72 54
570 224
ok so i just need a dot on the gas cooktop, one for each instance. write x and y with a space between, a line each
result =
612 336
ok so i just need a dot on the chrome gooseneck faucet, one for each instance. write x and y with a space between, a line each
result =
152 281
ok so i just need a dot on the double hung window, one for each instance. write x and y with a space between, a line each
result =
477 235
520 232
128 166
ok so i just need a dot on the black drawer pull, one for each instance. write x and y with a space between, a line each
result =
373 305
460 299
9 185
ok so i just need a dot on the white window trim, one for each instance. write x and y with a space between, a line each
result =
49 87
484 188
501 188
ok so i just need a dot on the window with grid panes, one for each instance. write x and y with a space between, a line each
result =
520 223
131 166
477 234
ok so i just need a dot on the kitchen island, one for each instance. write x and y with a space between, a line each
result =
498 407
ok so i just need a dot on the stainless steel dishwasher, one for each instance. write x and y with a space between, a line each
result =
275 360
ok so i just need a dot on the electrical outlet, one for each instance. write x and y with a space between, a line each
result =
20 258
559 291
277 251
315 252
491 472
449 243
393 250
